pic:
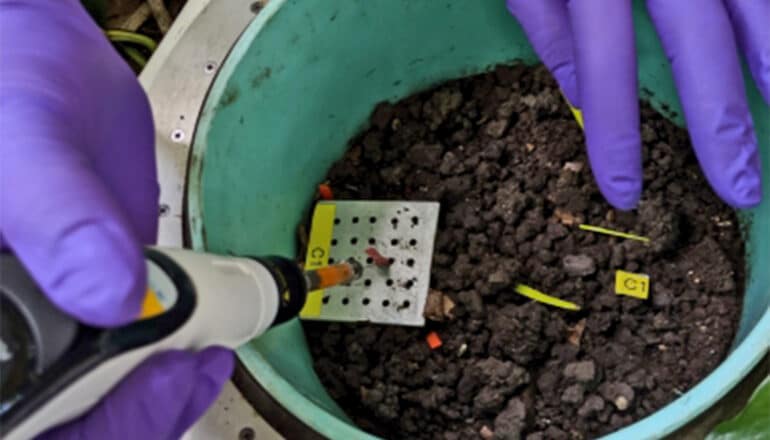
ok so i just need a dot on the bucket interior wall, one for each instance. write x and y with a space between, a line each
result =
303 80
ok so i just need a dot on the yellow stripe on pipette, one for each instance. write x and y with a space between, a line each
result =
151 306
614 233
544 298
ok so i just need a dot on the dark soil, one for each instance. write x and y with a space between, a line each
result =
505 158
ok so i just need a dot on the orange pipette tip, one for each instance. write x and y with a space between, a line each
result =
333 275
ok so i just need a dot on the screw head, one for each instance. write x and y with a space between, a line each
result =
256 7
247 433
177 135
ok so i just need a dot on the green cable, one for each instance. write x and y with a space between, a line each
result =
120 36
134 55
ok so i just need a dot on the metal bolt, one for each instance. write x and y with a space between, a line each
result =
210 67
164 209
256 7
177 135
246 433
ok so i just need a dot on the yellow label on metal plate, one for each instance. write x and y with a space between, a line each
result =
632 284
317 256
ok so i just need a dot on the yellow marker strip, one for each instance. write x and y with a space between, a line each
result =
543 298
317 256
151 305
632 284
614 233
577 114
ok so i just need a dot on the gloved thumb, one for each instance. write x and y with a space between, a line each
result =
58 216
160 399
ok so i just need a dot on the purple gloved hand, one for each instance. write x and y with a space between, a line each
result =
78 198
588 45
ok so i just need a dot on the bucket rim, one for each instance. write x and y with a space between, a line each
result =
705 394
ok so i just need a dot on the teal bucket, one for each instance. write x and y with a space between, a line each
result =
303 79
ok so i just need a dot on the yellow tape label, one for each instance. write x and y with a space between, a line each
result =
614 233
539 296
151 305
632 284
317 255
577 114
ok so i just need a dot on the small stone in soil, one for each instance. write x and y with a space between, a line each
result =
509 424
424 155
471 300
498 279
619 393
554 433
584 371
573 394
592 405
579 265
488 400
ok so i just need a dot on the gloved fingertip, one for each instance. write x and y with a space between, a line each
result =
99 276
745 189
214 366
763 77
567 80
732 165
617 168
216 363
623 194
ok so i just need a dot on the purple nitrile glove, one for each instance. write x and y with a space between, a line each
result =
589 47
78 198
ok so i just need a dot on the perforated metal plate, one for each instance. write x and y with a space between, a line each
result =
401 231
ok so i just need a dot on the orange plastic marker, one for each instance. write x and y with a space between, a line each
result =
325 191
434 341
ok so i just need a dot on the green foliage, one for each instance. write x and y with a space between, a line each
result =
752 423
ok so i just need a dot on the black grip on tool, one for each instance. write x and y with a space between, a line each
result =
34 333
292 287
50 363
